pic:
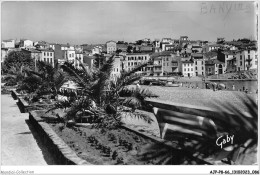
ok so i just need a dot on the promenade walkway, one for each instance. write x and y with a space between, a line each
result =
20 144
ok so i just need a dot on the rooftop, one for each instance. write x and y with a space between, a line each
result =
196 55
128 54
47 50
31 50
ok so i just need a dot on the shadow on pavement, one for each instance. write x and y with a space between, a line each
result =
50 160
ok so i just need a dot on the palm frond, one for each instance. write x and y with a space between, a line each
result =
201 142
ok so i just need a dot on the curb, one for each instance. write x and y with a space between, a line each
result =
63 153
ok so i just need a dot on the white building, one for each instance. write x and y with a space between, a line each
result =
25 43
199 64
4 53
67 47
246 60
116 67
78 59
133 59
70 55
47 55
188 68
111 47
8 44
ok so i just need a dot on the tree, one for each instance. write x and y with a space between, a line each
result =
129 49
47 80
18 59
15 75
103 98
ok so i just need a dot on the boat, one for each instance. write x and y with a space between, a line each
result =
172 84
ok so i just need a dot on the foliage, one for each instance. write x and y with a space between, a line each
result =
103 97
15 75
18 59
47 80
229 121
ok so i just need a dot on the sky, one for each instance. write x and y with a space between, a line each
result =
93 22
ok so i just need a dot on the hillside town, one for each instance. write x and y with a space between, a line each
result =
235 59
129 83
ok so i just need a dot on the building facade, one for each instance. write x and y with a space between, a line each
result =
199 64
8 44
78 59
132 60
111 47
188 68
246 60
26 43
47 56
116 67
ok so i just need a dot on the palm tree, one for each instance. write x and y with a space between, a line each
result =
15 75
47 80
230 121
103 97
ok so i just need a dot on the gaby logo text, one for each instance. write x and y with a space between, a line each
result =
222 140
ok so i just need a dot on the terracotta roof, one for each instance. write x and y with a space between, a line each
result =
136 54
210 54
111 41
9 40
48 50
196 55
31 50
164 53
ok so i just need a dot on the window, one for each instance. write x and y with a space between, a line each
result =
202 68
163 64
47 53
240 57
128 63
191 69
117 69
70 55
44 53
248 51
50 54
167 64
188 69
209 69
240 63
226 56
248 56
195 62
184 69
167 59
132 63
202 62
196 68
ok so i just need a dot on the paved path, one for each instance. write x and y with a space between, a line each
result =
20 144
